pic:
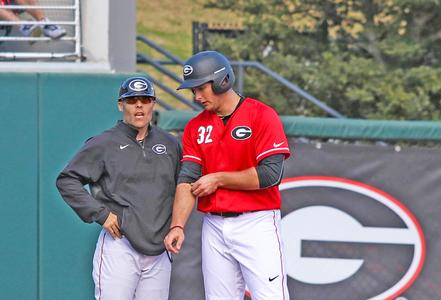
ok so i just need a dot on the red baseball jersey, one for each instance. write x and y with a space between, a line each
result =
253 132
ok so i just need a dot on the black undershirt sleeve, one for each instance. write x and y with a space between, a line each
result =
270 170
190 172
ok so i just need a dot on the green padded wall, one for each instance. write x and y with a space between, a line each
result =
360 129
73 108
46 250
19 186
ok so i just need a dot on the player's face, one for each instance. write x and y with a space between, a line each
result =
137 111
206 97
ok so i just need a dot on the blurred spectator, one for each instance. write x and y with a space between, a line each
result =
50 30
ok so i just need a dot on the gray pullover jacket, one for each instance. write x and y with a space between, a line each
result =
136 182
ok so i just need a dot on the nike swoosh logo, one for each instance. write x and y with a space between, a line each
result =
277 145
123 147
271 279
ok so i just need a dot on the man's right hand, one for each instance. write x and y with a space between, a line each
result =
112 226
174 239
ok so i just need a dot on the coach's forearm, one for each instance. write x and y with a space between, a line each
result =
183 204
240 180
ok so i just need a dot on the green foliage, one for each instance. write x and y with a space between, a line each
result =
365 58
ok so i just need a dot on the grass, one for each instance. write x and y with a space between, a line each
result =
169 24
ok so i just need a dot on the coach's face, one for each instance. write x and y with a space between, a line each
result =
206 97
137 111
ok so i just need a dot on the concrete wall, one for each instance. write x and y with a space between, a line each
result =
122 38
95 20
109 29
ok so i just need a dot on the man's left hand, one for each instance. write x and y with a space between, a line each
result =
205 185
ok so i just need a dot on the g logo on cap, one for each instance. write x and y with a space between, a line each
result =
188 70
138 85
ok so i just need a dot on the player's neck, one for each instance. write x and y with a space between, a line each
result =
229 103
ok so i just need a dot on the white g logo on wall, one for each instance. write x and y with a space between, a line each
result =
138 85
322 223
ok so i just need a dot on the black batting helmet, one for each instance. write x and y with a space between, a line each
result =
136 86
208 66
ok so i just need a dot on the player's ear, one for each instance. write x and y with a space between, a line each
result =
120 105
226 80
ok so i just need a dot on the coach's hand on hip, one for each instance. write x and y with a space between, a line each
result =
112 226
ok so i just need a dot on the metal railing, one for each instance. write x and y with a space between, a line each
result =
240 65
158 65
76 38
293 87
173 59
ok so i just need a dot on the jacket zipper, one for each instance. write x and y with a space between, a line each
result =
142 146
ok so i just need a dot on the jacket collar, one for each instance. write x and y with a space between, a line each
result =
127 129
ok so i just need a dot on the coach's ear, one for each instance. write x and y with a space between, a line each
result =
120 105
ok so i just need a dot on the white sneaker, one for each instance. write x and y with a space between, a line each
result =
28 29
53 31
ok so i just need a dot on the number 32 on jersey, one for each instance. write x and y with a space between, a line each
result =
204 135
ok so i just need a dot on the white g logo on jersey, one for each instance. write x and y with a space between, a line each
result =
241 133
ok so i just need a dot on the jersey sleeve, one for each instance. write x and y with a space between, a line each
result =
270 136
191 151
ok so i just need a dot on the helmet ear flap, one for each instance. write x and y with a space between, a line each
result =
222 84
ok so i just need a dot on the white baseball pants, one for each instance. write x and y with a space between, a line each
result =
122 273
246 249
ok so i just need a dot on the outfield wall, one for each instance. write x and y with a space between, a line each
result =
46 251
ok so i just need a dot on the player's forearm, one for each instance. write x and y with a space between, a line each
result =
183 204
240 180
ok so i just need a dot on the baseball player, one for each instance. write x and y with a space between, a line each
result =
232 163
131 170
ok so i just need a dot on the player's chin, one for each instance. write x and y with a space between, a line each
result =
207 106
